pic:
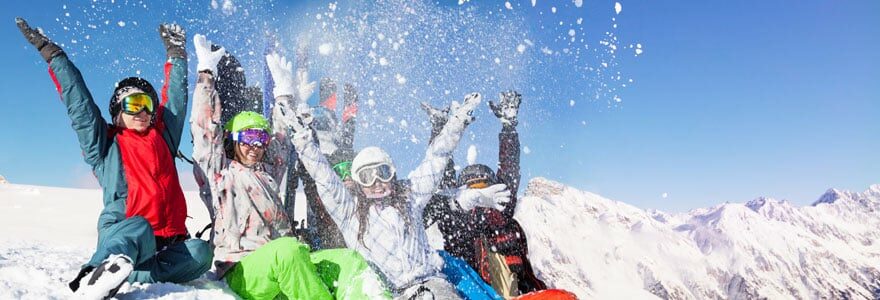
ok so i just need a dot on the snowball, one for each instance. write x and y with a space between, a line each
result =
617 7
472 154
121 24
507 5
325 49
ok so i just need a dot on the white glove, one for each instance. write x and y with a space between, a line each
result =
464 111
282 74
304 87
496 196
207 59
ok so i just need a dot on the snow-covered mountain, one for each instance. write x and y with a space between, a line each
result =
579 241
765 248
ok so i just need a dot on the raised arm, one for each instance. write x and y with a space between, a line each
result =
172 109
427 176
207 132
85 117
508 145
287 95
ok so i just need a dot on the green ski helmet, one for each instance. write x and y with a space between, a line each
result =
246 120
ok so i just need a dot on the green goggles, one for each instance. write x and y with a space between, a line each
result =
343 169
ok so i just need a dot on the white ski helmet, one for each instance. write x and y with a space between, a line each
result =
370 156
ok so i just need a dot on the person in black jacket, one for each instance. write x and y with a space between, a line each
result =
477 222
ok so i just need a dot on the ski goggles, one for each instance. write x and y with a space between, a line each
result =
343 169
478 183
252 137
368 175
136 103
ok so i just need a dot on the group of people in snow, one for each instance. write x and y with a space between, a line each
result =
247 169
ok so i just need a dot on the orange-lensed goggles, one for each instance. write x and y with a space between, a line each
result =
135 103
478 184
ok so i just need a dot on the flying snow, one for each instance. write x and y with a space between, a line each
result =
472 154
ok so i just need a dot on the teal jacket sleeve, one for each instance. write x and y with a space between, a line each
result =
174 101
85 117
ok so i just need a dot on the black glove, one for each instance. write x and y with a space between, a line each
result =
47 48
174 38
508 108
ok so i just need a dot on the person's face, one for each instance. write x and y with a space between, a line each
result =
379 189
248 155
139 122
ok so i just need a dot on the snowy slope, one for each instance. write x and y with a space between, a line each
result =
765 248
595 247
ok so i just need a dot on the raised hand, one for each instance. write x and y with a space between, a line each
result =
437 116
464 112
207 59
47 48
174 38
304 87
508 107
282 74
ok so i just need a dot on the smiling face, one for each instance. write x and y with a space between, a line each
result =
379 189
248 155
138 122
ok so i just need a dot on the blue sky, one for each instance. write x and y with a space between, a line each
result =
729 101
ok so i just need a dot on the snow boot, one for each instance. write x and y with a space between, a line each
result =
106 279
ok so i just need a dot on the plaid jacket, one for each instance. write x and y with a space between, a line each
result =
400 253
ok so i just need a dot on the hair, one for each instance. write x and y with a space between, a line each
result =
397 200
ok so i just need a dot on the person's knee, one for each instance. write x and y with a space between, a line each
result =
201 252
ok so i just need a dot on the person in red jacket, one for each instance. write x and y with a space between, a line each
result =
142 235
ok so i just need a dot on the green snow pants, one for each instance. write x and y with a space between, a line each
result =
133 237
283 268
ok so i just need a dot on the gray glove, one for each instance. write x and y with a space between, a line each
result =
47 48
174 38
507 108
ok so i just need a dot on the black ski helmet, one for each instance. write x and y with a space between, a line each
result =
137 82
477 171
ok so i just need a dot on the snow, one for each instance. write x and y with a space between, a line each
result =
617 7
325 49
579 241
507 5
472 154
578 3
765 248
121 23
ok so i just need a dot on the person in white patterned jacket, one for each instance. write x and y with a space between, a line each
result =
382 217
239 167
